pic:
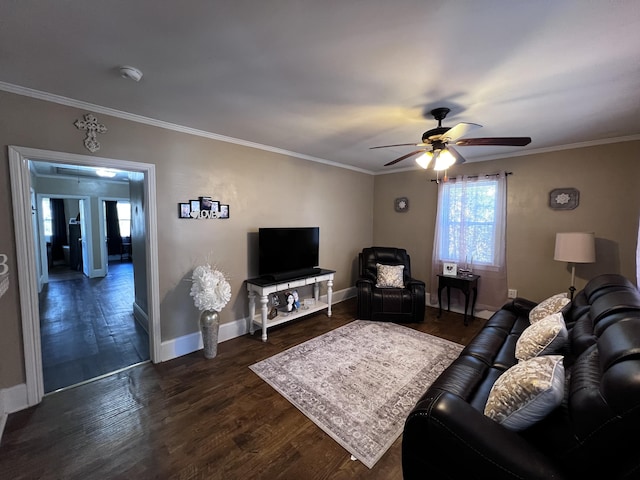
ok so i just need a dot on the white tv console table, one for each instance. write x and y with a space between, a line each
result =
263 288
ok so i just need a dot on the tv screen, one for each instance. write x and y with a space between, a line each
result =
287 252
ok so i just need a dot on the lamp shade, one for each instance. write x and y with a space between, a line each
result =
576 247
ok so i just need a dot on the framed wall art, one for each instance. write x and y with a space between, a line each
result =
224 211
184 210
564 198
206 203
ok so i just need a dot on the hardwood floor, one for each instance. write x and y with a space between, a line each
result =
87 328
192 418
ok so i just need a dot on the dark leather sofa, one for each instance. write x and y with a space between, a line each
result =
592 434
388 304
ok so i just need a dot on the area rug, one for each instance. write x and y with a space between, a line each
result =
359 382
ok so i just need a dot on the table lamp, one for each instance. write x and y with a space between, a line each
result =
575 247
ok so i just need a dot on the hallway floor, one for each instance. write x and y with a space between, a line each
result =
87 326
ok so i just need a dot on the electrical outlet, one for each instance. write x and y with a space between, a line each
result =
512 293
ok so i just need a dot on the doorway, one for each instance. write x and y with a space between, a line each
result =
143 174
87 324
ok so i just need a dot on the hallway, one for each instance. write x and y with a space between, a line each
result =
87 326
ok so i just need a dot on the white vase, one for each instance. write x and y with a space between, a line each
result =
209 326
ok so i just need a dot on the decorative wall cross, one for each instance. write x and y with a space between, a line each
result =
91 125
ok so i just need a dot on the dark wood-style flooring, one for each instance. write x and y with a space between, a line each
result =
87 328
192 418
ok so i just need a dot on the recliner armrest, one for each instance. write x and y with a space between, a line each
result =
413 282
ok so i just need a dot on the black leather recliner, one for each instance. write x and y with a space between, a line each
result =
388 304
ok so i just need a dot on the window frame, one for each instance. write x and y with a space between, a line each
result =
453 226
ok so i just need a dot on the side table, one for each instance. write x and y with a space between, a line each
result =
466 283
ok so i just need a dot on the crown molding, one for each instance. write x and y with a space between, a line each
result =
71 102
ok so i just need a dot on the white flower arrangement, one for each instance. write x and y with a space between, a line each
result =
210 289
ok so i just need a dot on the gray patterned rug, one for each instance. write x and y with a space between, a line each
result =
359 382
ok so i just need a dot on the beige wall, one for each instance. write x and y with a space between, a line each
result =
262 189
607 177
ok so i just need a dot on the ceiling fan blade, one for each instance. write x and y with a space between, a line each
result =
508 141
392 162
400 145
458 131
459 158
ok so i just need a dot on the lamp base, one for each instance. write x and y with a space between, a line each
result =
572 290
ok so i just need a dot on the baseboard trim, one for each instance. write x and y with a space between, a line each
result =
12 399
141 317
484 314
190 343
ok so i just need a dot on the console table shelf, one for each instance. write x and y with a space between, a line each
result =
262 288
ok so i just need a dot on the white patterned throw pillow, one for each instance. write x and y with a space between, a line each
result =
390 276
548 306
545 337
527 392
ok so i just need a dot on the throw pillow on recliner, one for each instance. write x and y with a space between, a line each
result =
390 276
544 337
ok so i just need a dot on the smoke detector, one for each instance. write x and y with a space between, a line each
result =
130 72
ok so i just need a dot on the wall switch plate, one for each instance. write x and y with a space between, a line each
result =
512 293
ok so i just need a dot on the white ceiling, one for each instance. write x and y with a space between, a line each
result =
329 79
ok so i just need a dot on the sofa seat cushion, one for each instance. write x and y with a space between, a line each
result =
470 379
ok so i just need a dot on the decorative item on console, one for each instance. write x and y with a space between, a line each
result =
467 267
450 269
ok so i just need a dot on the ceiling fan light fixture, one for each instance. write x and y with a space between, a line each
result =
425 159
445 160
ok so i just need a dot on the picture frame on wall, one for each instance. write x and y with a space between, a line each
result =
205 203
215 208
224 211
195 205
184 210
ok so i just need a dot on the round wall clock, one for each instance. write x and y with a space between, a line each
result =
401 204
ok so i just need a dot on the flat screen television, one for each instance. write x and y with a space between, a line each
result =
288 252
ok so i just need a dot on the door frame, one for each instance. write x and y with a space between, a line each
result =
42 242
19 158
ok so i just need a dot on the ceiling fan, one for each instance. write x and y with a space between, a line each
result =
436 143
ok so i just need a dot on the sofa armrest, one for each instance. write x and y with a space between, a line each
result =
444 437
520 306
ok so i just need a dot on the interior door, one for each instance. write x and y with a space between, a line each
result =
39 245
85 214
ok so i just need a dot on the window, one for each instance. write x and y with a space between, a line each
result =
46 218
124 218
470 221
